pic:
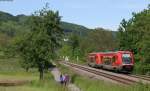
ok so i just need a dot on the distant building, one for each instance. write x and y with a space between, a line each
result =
66 39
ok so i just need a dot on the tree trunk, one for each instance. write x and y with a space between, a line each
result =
27 69
41 70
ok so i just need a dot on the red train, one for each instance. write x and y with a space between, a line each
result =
119 61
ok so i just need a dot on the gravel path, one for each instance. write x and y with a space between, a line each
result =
56 73
73 87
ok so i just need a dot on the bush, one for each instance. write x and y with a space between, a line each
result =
142 68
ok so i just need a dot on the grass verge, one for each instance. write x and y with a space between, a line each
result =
87 84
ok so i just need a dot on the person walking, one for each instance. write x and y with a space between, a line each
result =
66 80
61 79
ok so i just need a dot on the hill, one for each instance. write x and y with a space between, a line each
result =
67 27
6 16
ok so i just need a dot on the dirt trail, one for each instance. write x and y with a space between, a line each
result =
13 82
56 73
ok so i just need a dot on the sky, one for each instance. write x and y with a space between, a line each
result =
89 13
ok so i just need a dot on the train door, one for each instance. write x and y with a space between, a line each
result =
97 58
108 62
114 60
98 61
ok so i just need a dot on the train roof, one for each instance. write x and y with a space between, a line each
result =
110 52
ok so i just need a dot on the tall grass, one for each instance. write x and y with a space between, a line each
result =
95 85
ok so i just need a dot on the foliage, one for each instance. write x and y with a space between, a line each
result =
10 28
65 51
74 43
102 40
38 47
4 40
95 40
134 35
142 68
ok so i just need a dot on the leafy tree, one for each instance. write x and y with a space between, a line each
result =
65 51
134 35
74 43
101 40
39 46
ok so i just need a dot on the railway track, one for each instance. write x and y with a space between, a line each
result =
113 76
143 77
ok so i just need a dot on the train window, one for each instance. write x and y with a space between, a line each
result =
107 60
126 58
113 59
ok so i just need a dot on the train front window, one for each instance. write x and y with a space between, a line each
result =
126 58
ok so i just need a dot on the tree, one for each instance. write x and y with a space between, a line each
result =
39 46
134 35
65 51
131 33
101 40
74 43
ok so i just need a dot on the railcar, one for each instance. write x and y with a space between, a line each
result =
121 61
